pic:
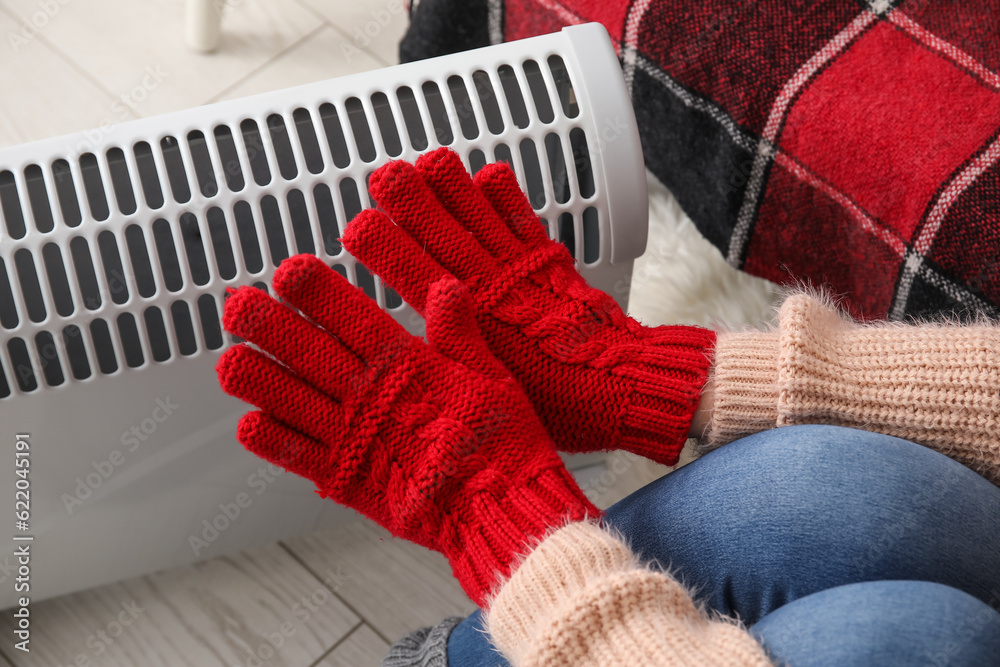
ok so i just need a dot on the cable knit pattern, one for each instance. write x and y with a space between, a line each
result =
437 443
933 384
580 599
570 346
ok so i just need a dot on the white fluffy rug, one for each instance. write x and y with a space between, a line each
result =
683 279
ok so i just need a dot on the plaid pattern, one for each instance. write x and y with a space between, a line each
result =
854 145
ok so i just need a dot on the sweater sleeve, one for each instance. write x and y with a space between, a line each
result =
934 384
581 598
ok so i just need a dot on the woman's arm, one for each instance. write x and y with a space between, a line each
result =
934 384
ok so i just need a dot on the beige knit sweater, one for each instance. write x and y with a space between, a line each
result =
933 384
582 599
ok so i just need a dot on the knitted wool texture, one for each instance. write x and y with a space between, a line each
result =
932 384
598 379
580 598
437 443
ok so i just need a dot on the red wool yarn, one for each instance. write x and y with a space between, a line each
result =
598 379
436 442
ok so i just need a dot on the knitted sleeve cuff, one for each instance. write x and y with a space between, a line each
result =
745 386
582 598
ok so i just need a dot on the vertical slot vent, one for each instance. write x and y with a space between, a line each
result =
4 386
488 101
167 254
350 199
103 348
56 271
539 94
386 124
187 343
230 158
282 147
366 281
8 312
148 177
327 215
477 160
532 174
308 140
463 107
564 87
10 205
204 172
131 346
438 113
93 185
24 374
392 299
591 235
86 277
113 270
30 289
77 353
273 229
515 99
39 197
567 232
221 244
121 181
62 174
51 368
581 158
335 135
301 229
255 152
194 249
210 324
360 128
247 232
176 174
411 118
135 241
557 167
502 154
159 345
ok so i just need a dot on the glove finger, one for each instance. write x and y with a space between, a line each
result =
276 443
327 298
443 172
499 186
452 329
308 350
401 193
251 376
393 255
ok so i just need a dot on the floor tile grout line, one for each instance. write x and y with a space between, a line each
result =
347 604
62 56
288 49
337 643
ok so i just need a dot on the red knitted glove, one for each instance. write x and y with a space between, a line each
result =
437 442
597 378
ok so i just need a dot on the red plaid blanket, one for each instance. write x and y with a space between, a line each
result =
847 144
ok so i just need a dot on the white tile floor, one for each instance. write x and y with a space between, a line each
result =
330 599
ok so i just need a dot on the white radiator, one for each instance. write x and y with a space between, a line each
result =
116 248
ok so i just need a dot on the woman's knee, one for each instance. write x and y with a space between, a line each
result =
883 623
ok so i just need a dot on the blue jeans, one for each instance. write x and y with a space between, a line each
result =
835 546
